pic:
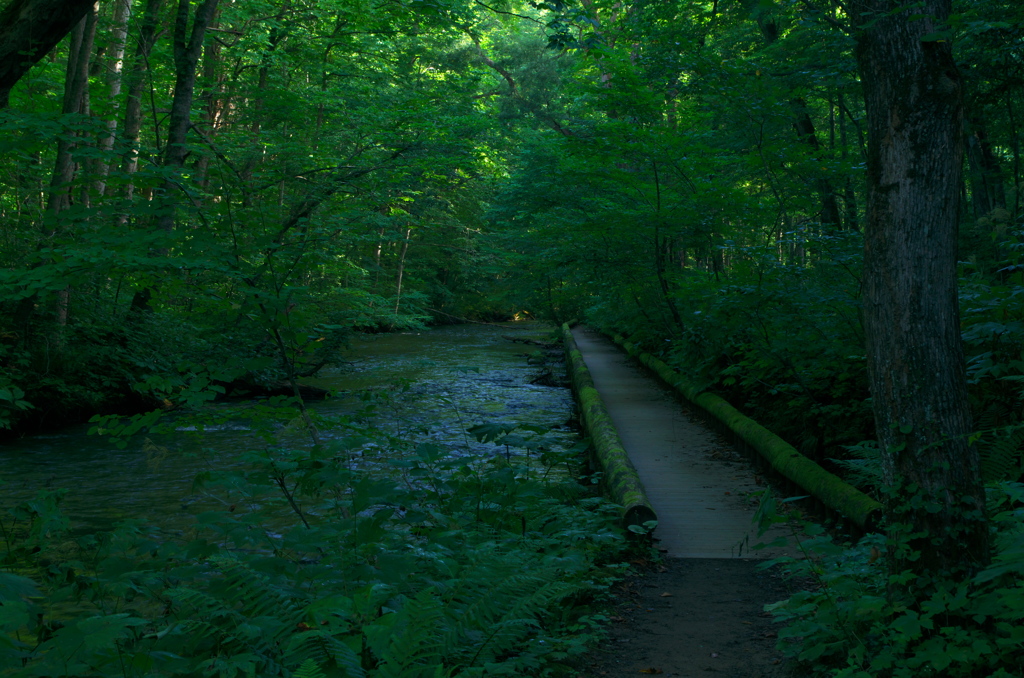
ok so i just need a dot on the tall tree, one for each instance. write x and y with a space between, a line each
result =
145 42
188 46
914 107
115 69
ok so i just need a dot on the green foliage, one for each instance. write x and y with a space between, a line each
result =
857 618
364 556
324 192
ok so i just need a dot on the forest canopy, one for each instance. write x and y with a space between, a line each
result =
215 193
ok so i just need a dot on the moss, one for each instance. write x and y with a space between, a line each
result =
620 480
783 457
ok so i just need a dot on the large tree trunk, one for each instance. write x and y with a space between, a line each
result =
914 107
29 29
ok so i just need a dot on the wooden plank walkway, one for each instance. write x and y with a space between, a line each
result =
699 486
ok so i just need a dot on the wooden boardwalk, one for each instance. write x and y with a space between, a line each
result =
699 486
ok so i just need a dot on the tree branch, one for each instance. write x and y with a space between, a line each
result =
29 29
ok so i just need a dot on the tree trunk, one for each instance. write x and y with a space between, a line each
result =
213 74
188 46
914 108
401 269
136 85
805 131
76 88
29 29
802 124
1015 144
659 255
118 35
849 195
76 84
987 188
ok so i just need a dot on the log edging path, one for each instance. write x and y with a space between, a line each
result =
660 463
786 460
620 481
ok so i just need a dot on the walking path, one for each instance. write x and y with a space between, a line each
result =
701 489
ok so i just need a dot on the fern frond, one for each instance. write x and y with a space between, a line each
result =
324 650
309 669
253 595
517 624
1001 455
415 645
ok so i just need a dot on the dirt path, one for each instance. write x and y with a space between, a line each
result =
701 612
693 617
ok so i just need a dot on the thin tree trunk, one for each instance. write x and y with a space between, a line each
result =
849 195
659 255
188 46
213 74
1015 143
804 126
76 87
76 84
987 189
136 85
401 269
806 133
914 108
119 33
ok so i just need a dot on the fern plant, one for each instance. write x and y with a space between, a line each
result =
424 565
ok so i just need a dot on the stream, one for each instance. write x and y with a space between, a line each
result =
431 385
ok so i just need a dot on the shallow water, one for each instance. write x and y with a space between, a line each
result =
430 385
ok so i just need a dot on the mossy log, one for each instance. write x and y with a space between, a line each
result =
833 492
620 481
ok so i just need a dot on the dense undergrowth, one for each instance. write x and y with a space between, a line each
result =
364 556
855 617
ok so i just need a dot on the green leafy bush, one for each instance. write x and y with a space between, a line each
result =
857 619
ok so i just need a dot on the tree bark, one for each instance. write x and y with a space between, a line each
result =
136 84
914 108
29 29
118 35
76 97
76 84
401 269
